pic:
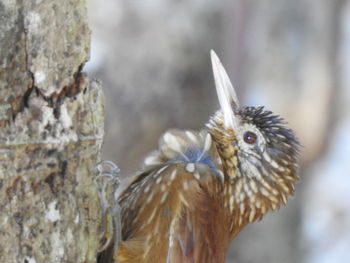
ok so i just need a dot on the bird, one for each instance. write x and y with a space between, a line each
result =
201 188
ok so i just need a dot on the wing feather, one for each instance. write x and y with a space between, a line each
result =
170 212
166 216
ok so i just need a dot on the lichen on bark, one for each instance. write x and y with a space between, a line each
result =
51 131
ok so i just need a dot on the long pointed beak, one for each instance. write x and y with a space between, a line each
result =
226 93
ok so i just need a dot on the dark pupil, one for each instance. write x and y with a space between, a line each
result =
249 137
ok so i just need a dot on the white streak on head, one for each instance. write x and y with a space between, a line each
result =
267 157
284 188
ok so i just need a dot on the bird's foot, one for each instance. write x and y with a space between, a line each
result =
107 181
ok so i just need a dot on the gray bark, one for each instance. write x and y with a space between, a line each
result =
51 129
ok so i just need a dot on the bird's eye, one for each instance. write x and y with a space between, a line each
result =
250 137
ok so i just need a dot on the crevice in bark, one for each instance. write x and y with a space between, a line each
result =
69 91
55 100
25 98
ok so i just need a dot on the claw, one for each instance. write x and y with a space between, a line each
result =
107 169
107 164
108 181
106 236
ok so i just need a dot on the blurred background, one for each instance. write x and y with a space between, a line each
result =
152 57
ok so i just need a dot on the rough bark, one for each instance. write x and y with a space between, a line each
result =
51 129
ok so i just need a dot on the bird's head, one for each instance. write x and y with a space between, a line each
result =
259 153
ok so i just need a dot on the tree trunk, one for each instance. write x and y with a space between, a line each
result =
51 130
